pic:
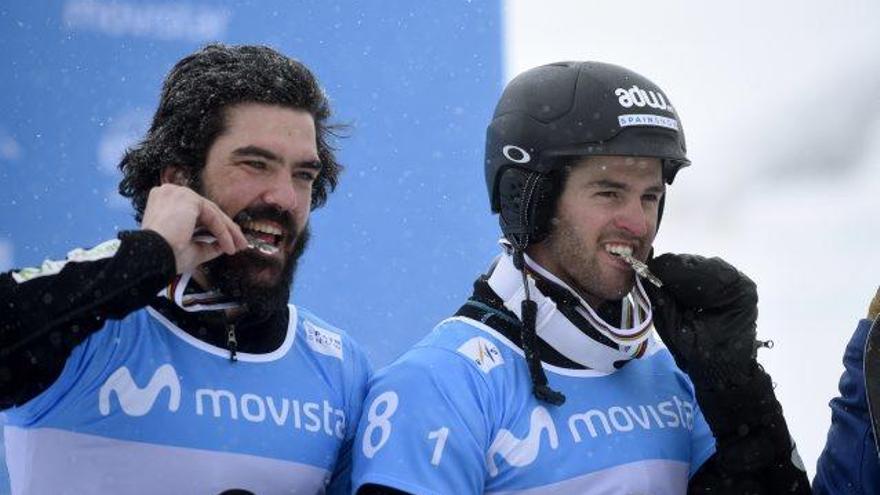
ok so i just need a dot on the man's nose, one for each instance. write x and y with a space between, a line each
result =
282 193
634 218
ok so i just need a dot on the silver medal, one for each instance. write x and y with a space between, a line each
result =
641 269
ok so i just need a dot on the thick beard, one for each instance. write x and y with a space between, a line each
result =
232 275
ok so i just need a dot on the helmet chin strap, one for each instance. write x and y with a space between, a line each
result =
528 313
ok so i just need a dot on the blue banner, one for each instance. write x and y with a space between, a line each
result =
398 243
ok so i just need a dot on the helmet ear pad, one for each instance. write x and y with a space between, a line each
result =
527 203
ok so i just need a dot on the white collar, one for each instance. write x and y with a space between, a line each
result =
560 333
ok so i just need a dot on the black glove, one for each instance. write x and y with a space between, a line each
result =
706 314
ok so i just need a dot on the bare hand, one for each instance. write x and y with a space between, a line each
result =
176 212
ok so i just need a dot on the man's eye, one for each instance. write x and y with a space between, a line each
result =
257 164
306 175
608 194
653 198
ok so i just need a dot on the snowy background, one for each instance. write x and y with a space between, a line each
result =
780 103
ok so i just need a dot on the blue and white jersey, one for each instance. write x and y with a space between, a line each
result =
456 415
144 407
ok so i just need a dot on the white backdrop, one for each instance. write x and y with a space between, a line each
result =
781 106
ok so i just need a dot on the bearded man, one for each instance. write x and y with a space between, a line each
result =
169 360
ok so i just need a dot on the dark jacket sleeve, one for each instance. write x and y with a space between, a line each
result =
754 452
46 314
713 478
849 463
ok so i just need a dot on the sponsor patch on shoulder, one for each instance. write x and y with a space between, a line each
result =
51 267
322 340
482 352
629 120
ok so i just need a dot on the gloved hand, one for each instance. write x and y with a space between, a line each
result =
706 314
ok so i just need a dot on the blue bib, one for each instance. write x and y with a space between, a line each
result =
456 415
144 407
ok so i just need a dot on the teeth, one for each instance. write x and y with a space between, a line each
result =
263 247
253 243
262 227
619 249
267 248
640 268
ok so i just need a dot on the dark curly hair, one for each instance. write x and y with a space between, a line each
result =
191 114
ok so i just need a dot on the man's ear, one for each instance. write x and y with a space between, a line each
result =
174 174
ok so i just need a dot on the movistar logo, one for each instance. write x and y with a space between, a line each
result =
638 97
522 452
314 417
136 401
585 425
675 413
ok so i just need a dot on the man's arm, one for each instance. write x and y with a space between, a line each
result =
46 312
706 313
754 452
849 462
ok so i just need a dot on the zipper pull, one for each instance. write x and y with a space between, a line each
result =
231 341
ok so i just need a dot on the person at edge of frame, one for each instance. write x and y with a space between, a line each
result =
550 378
849 463
169 360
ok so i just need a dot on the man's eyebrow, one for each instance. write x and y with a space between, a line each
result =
607 184
256 151
268 155
611 184
312 164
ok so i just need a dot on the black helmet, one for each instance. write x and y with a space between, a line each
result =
546 116
570 109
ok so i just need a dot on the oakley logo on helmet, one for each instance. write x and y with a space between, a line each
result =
516 154
636 96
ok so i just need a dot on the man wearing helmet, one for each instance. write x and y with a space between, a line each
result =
550 378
